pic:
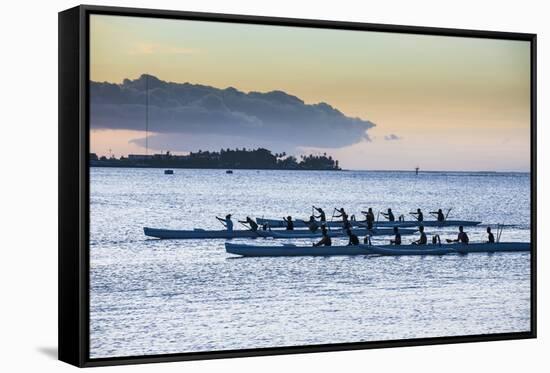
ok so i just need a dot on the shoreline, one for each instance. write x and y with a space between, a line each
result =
312 169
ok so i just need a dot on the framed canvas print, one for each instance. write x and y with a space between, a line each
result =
236 186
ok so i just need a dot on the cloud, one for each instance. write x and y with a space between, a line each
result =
181 115
392 137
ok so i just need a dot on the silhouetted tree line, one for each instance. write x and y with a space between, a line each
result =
226 158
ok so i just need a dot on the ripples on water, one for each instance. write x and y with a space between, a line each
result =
150 296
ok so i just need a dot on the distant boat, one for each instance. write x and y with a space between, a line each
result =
168 172
229 171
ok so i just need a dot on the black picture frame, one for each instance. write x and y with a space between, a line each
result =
73 250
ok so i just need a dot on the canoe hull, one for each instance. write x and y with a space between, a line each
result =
456 248
291 250
198 234
224 234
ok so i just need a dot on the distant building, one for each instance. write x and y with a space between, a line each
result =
93 157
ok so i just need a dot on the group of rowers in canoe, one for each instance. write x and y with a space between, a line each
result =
314 225
422 240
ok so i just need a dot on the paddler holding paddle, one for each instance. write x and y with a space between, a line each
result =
418 215
325 240
423 240
397 239
439 214
462 236
251 223
342 215
353 239
345 218
388 215
370 218
322 216
226 222
289 223
311 224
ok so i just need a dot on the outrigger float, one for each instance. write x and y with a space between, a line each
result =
279 223
281 234
444 249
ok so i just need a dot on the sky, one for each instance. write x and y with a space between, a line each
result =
372 100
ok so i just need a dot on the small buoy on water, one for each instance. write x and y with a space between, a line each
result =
229 171
168 172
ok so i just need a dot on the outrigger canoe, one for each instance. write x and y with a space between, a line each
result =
455 248
224 234
276 223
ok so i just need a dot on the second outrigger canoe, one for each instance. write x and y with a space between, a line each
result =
455 248
224 234
279 223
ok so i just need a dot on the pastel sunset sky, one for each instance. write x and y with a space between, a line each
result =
441 103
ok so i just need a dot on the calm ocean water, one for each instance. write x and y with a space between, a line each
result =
153 296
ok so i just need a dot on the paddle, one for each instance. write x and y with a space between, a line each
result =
221 221
500 228
331 218
448 212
